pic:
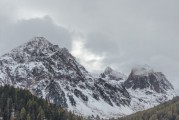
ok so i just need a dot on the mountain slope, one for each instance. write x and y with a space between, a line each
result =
54 74
165 111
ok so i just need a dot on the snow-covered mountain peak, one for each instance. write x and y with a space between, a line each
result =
111 74
142 77
39 40
147 86
142 70
35 47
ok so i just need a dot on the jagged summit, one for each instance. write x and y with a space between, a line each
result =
37 46
142 77
39 40
35 42
35 49
147 86
111 74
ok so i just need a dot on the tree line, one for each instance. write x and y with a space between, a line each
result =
165 111
18 104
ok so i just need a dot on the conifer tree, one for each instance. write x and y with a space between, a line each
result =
28 117
41 114
23 114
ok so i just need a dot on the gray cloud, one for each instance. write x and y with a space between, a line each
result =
23 30
100 43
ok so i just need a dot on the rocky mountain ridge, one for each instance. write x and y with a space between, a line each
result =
54 74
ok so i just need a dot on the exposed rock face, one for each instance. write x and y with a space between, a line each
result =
148 88
144 77
54 74
111 82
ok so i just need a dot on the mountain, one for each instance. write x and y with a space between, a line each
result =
166 111
148 88
144 77
52 73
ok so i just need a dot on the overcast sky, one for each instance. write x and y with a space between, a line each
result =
100 33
